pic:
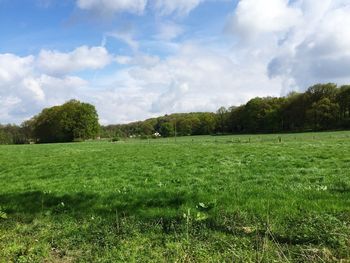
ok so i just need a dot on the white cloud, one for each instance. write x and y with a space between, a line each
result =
168 31
318 50
161 7
13 67
61 89
180 7
34 88
113 6
24 90
17 85
171 98
126 37
304 41
82 58
253 18
193 79
28 96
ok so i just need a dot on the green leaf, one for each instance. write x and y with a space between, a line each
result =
201 216
3 215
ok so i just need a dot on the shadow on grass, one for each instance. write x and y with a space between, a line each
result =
30 204
166 209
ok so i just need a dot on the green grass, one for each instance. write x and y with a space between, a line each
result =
201 199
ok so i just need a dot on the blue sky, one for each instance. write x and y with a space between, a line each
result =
135 59
27 26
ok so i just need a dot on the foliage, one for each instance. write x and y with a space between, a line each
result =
3 215
12 134
183 124
343 98
66 123
323 114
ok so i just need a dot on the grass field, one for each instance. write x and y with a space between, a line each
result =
264 198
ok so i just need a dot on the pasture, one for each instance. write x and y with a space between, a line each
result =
257 198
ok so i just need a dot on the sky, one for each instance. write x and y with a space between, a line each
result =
136 59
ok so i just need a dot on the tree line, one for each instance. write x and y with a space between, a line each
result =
321 107
181 124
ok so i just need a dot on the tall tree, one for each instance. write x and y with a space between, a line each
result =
222 115
65 123
324 114
343 99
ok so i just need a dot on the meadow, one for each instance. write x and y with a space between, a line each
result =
251 198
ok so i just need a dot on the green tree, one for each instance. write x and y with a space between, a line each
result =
324 114
222 116
322 109
68 122
146 128
166 129
294 112
5 138
207 123
320 91
263 115
12 134
343 99
184 126
235 122
80 119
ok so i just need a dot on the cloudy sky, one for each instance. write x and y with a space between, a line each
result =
135 59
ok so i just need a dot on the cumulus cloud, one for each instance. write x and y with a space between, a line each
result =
13 67
319 49
305 41
17 84
170 99
253 18
25 90
192 79
34 92
82 58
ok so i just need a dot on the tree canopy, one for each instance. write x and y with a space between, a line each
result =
71 121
